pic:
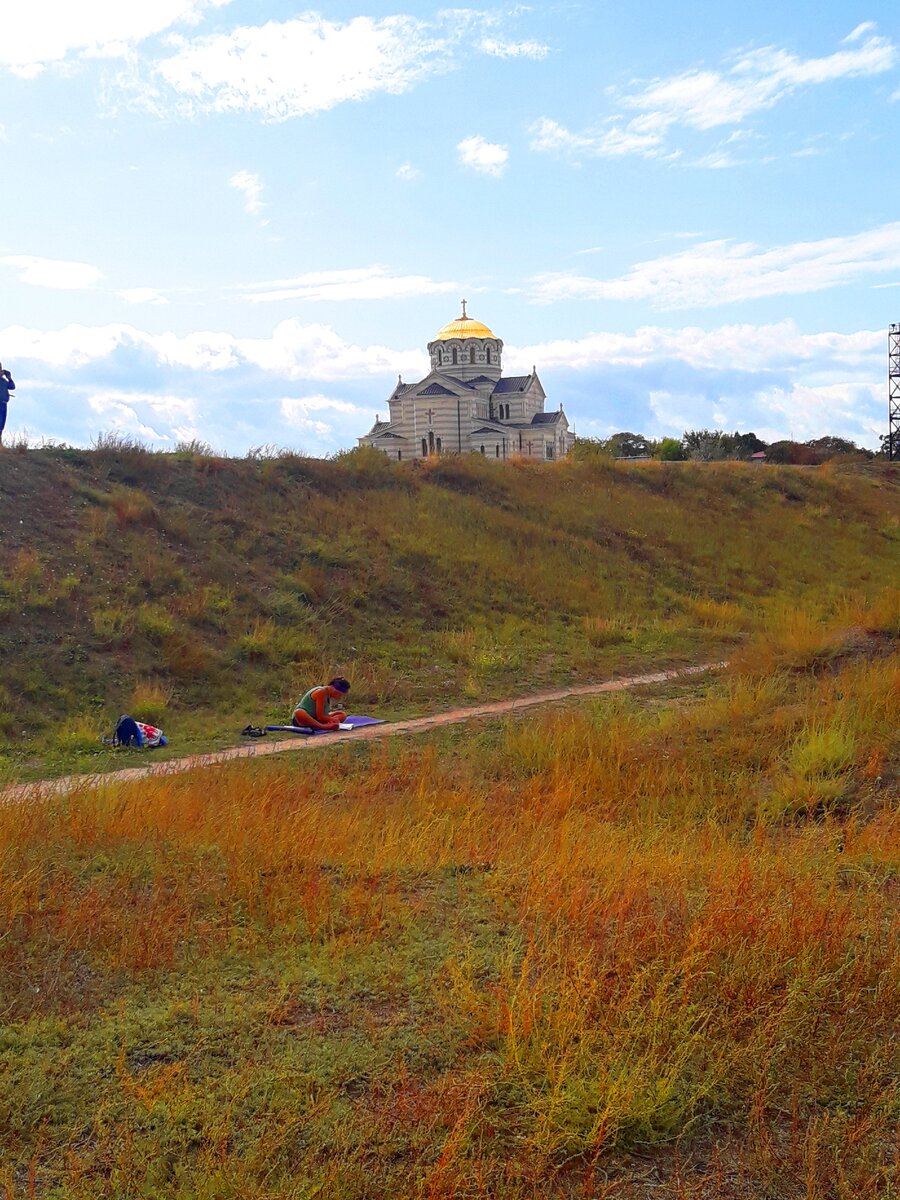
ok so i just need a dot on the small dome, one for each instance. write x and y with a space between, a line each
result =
463 327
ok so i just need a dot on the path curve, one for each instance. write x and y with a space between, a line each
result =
258 748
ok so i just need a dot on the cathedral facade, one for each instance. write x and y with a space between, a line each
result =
465 405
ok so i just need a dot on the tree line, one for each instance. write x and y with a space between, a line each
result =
714 445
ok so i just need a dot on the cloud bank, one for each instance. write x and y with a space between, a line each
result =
701 100
305 385
725 272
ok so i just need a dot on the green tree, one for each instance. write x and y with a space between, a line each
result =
671 450
830 447
745 445
707 445
629 445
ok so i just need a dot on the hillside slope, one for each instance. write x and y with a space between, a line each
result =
197 590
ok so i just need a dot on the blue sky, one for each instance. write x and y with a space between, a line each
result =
238 221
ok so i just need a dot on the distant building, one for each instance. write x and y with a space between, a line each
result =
465 405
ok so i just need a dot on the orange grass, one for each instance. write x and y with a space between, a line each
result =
489 962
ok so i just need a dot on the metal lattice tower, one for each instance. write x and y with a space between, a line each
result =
894 392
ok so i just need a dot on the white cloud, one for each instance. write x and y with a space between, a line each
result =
293 350
722 272
305 379
408 171
143 295
748 83
52 272
716 160
549 136
860 31
250 186
360 283
42 32
488 158
501 49
743 347
795 410
305 65
297 409
131 412
317 352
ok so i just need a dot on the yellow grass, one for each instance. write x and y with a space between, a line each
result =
488 962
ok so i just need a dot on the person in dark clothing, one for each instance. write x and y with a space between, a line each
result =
7 385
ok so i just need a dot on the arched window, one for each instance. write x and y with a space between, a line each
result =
482 449
496 452
520 439
399 456
489 355
507 412
455 356
439 445
431 440
424 448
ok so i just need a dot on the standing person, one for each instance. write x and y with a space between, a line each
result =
7 385
314 711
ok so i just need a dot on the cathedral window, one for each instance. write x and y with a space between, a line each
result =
488 354
438 445
472 355
424 448
520 439
455 356
482 449
496 452
399 456
431 440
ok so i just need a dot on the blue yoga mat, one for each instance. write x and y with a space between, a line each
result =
355 722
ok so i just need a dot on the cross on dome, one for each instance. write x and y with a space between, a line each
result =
464 317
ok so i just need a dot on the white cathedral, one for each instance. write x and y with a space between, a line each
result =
465 405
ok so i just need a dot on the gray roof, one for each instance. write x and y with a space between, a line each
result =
489 429
512 383
378 427
398 437
436 389
546 418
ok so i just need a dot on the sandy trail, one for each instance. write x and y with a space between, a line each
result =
257 748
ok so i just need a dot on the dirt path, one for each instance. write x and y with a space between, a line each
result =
260 747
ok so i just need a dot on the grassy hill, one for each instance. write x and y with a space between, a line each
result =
202 592
643 947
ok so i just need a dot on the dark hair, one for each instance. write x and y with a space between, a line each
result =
339 684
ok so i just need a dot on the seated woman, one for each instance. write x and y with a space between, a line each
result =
314 710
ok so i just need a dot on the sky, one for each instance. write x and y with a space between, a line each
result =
238 221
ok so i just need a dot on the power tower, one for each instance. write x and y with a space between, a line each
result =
893 445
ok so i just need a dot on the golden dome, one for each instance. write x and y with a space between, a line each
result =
463 327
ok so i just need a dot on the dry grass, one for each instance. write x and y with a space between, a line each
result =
236 583
629 950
